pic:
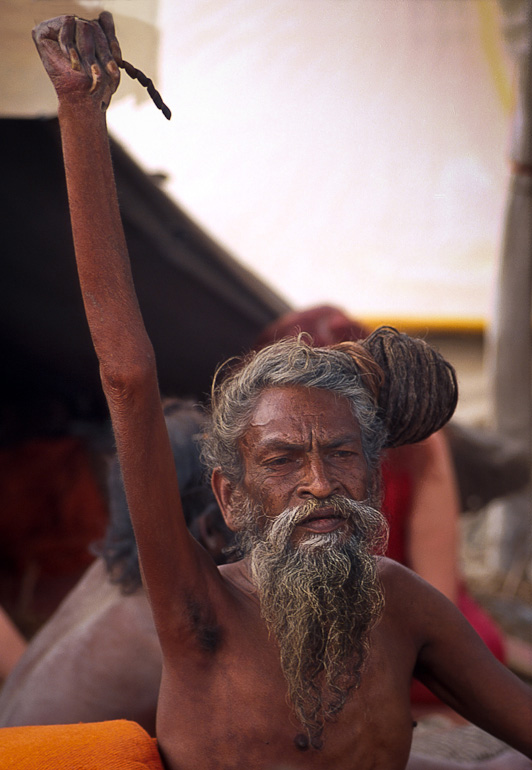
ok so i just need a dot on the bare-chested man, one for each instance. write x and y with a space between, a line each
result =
300 654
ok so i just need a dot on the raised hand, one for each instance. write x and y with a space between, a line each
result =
81 57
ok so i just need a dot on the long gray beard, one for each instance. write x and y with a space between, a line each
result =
320 599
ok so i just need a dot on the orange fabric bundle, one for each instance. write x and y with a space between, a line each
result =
117 745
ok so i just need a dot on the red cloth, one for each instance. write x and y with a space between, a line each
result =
397 486
396 506
52 506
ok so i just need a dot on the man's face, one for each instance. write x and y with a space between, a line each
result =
303 444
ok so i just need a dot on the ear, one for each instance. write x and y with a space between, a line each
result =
223 491
211 533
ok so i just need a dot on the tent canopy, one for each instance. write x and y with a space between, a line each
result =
199 305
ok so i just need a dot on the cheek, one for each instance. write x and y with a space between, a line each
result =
269 493
356 483
365 484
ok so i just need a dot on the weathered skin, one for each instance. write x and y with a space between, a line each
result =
222 700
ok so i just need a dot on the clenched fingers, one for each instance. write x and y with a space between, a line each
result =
108 26
70 44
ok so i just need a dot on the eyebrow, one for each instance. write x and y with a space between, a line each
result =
278 444
348 438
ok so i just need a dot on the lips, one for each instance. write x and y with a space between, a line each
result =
327 512
322 520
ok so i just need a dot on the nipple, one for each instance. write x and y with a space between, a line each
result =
301 741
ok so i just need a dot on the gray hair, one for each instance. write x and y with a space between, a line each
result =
291 361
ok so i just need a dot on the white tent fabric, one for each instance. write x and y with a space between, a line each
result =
351 152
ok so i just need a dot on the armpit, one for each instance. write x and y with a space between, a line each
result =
207 631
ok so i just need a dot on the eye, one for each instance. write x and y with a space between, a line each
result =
343 454
277 462
280 464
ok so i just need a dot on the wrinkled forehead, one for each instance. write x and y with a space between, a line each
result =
296 413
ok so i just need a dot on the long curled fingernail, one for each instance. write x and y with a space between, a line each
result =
112 68
96 75
74 60
117 53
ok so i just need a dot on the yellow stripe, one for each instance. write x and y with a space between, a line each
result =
492 44
433 324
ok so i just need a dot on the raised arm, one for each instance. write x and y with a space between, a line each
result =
81 60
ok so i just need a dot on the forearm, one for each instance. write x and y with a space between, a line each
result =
101 251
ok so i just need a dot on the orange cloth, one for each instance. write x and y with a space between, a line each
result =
116 745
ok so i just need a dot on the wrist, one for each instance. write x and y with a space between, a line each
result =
84 108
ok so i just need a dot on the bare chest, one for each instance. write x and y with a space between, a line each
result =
231 711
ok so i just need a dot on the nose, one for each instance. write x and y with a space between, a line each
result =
316 481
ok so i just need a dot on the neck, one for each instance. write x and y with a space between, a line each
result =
239 574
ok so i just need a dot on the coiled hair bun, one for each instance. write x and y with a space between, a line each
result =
419 392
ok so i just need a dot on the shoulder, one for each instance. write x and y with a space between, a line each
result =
396 576
402 584
407 593
416 605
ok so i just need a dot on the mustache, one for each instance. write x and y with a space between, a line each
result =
360 514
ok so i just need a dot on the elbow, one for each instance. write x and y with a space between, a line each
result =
122 379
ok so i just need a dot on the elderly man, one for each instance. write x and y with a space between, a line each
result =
301 653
